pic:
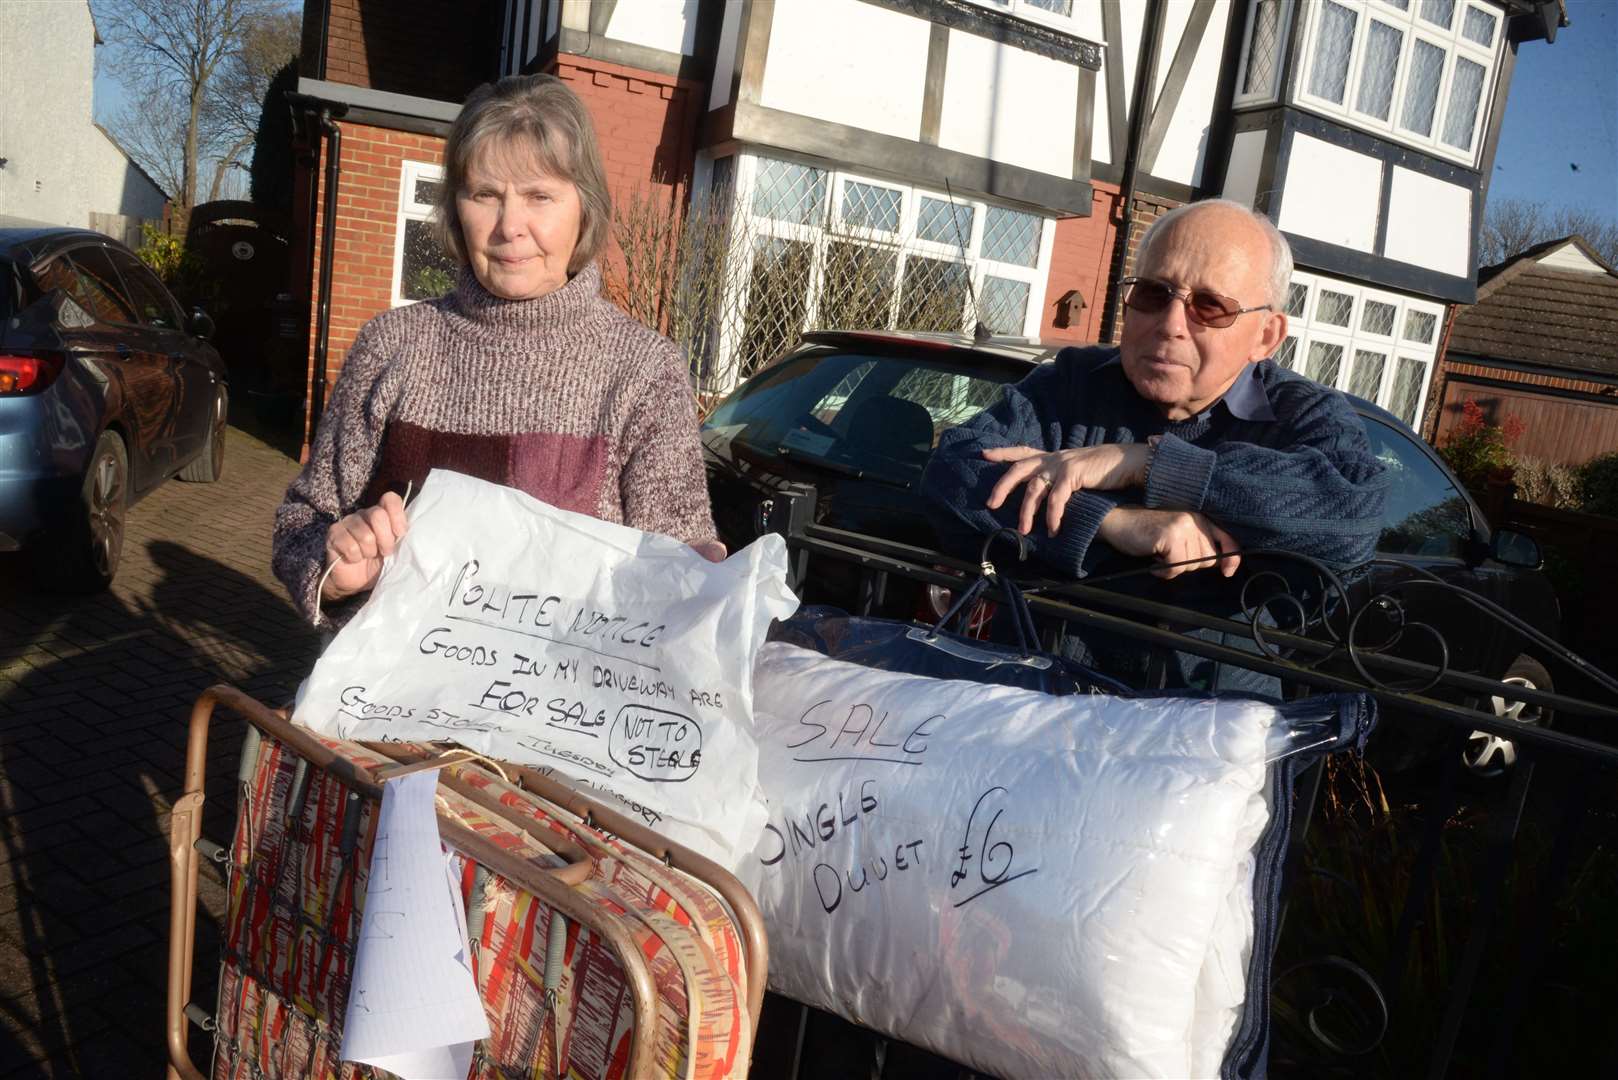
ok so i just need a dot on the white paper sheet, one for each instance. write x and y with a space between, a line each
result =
414 1007
621 659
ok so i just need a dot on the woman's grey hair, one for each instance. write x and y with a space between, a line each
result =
1280 250
549 117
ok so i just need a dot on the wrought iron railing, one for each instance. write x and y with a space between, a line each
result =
1426 1005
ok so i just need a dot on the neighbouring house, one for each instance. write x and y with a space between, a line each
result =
56 164
1541 344
992 160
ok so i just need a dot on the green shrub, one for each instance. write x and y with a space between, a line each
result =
1477 449
431 281
164 253
183 271
1600 481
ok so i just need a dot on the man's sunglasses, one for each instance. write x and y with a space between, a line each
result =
1205 308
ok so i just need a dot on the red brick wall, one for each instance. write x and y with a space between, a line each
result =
367 226
1081 258
646 124
437 49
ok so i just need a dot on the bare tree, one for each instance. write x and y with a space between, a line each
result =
156 139
168 54
237 95
1512 226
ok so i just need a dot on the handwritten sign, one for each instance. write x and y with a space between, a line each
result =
413 1008
1033 885
617 658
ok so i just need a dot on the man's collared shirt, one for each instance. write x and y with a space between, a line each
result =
1246 398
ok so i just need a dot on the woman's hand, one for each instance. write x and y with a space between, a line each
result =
357 544
712 550
1052 478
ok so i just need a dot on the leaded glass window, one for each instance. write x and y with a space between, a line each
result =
1328 76
1366 377
868 206
1325 360
1011 236
1003 305
933 295
789 192
1377 318
1421 96
944 222
1420 325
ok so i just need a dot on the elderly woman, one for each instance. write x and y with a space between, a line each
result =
524 375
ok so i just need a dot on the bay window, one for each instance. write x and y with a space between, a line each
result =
829 249
1417 71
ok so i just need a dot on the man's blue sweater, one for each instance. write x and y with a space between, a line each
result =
1280 462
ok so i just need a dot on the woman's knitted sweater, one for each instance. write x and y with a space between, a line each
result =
564 397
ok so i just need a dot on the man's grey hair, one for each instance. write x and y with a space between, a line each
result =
544 112
1280 250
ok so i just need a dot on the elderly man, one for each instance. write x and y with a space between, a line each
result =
1184 443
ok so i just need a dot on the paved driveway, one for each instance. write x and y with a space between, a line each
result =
94 698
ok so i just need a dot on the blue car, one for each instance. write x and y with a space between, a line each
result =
107 389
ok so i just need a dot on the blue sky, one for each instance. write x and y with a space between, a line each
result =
1563 110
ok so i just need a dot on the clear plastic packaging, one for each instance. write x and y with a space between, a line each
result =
1032 884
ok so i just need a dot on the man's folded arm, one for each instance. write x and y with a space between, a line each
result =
1321 495
957 481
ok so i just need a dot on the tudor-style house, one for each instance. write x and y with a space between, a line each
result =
930 163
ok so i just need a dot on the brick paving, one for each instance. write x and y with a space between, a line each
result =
95 693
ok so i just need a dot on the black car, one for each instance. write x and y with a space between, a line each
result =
856 414
107 389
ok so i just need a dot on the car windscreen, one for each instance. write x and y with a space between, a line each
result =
871 415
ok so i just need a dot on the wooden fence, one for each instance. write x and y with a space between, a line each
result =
1579 555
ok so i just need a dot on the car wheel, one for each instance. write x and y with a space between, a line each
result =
1490 756
209 465
89 555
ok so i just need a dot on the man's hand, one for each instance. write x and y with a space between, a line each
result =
1052 478
357 544
1169 536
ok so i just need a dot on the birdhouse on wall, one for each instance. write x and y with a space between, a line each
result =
1069 309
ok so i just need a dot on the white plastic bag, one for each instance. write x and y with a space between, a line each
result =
1033 885
618 658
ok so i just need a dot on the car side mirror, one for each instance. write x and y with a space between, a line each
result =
1516 549
200 324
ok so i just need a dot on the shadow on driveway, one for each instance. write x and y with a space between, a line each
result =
95 695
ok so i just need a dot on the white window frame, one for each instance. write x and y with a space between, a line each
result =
1283 44
1026 11
410 210
905 243
1352 337
1454 43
